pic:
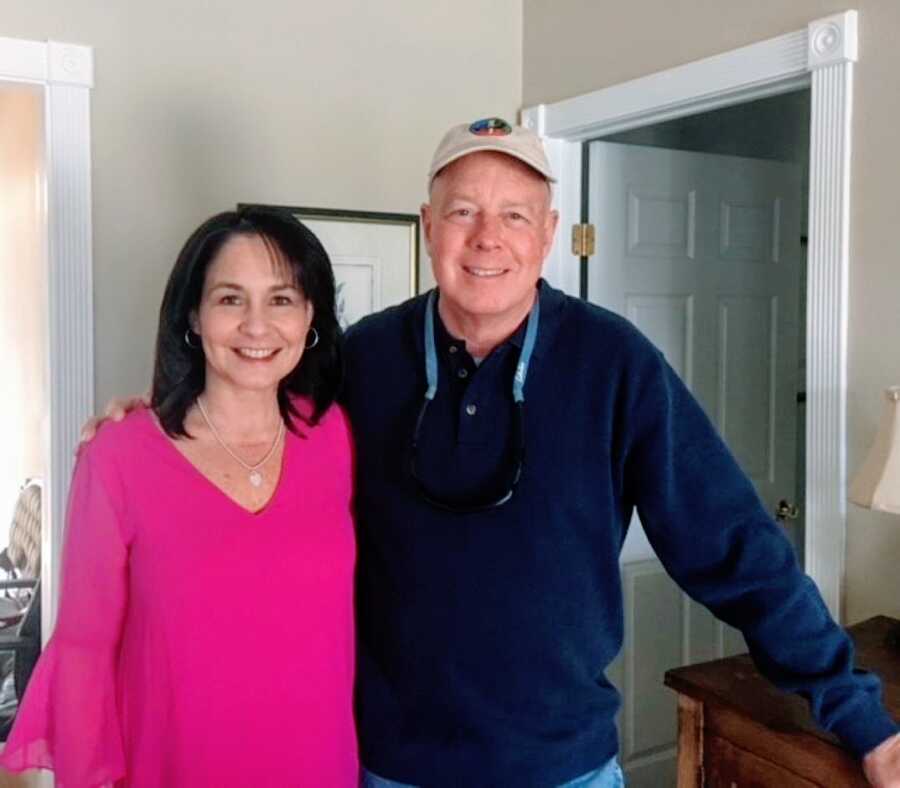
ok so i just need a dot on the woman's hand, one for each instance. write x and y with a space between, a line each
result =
116 410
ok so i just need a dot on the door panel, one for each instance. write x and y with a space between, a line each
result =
663 629
670 318
702 253
661 225
656 625
746 405
749 231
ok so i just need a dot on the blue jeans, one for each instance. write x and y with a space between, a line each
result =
607 776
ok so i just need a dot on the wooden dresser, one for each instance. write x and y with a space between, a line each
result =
735 730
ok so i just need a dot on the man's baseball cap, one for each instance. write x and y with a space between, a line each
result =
491 134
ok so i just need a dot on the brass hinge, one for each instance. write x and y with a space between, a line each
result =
582 240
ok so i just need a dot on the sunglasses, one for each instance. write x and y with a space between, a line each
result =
516 459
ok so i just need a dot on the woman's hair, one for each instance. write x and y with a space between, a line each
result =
179 374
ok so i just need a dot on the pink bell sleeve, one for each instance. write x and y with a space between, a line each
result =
68 720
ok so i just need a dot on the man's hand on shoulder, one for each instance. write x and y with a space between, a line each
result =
116 410
882 765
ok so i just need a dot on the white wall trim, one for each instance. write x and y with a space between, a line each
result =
70 64
827 321
66 73
822 57
560 267
46 62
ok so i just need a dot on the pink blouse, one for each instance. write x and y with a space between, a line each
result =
197 643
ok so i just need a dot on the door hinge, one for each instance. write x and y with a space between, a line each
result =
582 240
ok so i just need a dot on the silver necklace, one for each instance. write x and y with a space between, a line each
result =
256 478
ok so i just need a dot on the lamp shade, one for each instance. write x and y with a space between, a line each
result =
877 485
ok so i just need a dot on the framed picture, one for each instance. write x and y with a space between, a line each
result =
375 256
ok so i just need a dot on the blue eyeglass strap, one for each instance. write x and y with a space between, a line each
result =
431 368
527 349
431 365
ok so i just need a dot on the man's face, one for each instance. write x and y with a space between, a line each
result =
488 228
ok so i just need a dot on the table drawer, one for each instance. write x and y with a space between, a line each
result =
727 766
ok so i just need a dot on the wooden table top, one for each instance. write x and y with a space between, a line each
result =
735 683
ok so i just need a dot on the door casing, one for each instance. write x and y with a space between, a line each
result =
820 57
66 74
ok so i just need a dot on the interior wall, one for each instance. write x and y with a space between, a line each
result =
199 106
23 310
576 46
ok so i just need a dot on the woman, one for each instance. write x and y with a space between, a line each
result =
205 632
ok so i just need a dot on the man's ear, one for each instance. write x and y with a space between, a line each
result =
550 226
425 213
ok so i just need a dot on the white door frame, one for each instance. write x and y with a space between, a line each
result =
820 57
65 71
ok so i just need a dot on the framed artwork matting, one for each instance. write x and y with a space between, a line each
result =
375 256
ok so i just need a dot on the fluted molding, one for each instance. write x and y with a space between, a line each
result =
820 57
70 298
826 347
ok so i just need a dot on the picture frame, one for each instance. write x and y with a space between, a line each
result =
375 256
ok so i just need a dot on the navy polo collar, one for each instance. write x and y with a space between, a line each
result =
552 302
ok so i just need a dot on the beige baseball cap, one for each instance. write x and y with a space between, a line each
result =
492 134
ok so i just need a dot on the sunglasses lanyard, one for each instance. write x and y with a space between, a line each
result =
431 364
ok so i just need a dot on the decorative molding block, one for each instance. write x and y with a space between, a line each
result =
534 118
833 40
70 64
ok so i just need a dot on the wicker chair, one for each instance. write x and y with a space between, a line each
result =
22 557
20 603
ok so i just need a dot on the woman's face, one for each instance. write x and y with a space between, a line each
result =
252 319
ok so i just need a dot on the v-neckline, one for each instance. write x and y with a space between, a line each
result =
258 513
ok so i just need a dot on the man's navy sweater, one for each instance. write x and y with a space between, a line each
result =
483 638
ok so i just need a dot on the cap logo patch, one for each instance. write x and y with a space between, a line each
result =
490 127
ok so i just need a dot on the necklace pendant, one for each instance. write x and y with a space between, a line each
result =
255 478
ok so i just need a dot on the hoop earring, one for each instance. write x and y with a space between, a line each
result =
187 340
315 341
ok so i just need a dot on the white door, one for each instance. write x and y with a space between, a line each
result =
702 252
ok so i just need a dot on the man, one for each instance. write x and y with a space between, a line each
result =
505 432
488 610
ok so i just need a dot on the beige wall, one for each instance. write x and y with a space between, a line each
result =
194 112
575 46
329 104
23 312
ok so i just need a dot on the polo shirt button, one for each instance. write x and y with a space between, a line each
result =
471 410
453 348
463 373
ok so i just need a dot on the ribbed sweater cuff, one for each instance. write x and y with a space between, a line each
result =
866 728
